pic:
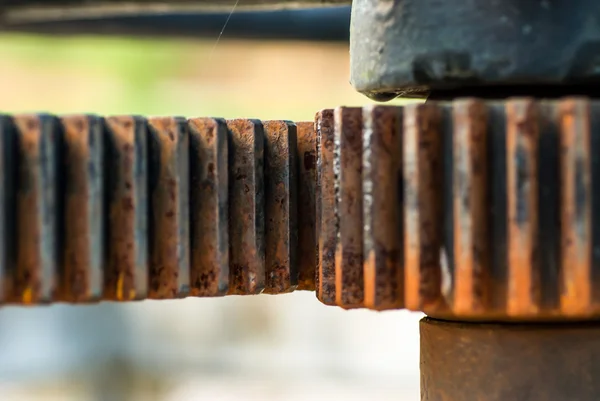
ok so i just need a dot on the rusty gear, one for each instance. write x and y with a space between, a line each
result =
471 209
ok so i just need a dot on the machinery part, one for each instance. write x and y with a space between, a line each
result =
32 11
412 47
469 210
307 208
465 210
125 208
313 24
492 362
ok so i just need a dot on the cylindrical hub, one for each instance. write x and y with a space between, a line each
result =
492 362
410 47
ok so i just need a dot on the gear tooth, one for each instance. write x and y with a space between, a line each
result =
306 217
246 207
471 286
576 206
595 191
422 173
37 233
549 208
349 197
8 207
82 190
168 193
522 138
126 277
209 207
281 229
382 203
326 216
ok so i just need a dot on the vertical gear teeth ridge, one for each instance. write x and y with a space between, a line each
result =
34 279
209 207
281 229
169 208
422 169
349 287
382 204
8 181
246 207
126 276
576 207
522 138
469 207
82 261
307 209
327 223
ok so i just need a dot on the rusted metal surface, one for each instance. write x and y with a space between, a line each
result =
34 273
470 210
327 219
246 207
520 362
81 266
126 276
480 209
576 207
8 171
281 197
349 259
522 139
382 205
209 207
169 208
307 181
422 163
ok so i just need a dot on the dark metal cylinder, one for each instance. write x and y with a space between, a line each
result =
494 362
410 47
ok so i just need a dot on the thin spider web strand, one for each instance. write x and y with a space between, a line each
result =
223 29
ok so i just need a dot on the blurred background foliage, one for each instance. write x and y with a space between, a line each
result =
288 347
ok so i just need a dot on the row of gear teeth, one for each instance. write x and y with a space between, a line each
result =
470 209
126 208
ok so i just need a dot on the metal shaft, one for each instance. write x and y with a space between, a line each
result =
517 362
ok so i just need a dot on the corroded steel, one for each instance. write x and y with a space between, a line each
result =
465 210
281 229
37 212
517 362
127 257
209 207
327 220
421 175
307 181
83 258
382 205
348 190
246 207
169 208
489 208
